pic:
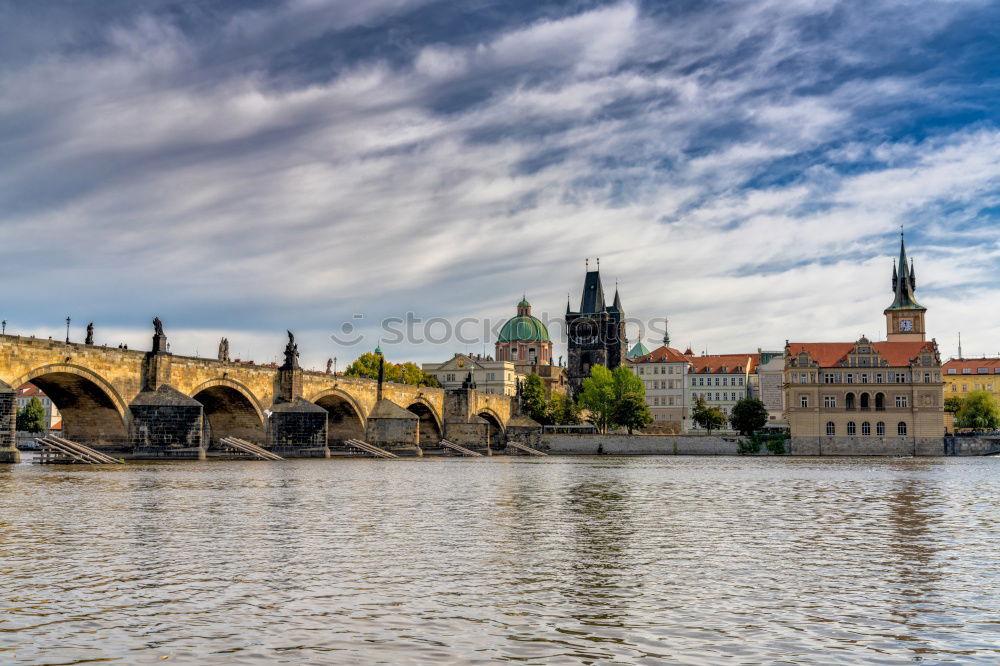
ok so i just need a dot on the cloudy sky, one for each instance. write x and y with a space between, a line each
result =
239 168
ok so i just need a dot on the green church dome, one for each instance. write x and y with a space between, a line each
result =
524 327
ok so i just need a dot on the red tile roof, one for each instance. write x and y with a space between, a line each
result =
734 364
960 364
30 391
661 355
829 354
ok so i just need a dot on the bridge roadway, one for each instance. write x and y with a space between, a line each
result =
165 405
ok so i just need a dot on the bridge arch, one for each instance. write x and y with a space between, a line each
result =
345 418
93 411
231 410
430 422
496 430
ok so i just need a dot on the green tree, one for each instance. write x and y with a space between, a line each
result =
31 417
632 411
709 418
365 365
952 404
749 415
597 396
563 411
979 410
410 373
430 381
533 397
625 382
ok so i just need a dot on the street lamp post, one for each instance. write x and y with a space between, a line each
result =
67 330
334 366
4 325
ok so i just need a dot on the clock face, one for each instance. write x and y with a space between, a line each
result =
906 324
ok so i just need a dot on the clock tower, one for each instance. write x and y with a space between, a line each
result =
904 319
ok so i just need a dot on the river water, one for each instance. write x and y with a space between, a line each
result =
547 560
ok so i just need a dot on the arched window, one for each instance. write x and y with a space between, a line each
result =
901 429
880 429
831 429
865 406
880 402
849 400
851 429
866 429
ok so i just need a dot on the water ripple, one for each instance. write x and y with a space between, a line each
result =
555 561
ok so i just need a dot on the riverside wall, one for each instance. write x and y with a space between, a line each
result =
638 445
701 445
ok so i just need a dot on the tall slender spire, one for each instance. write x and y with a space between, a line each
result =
666 332
903 283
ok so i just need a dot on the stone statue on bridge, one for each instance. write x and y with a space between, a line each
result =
159 337
90 334
224 350
329 366
291 352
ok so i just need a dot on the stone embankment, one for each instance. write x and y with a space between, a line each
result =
637 445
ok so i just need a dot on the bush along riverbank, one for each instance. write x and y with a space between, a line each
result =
774 444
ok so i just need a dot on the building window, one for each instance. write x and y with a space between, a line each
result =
864 378
827 377
900 378
851 429
878 378
952 371
716 381
716 397
866 429
901 401
850 378
880 429
829 401
849 400
865 405
901 429
802 378
954 388
927 378
804 400
880 402
831 429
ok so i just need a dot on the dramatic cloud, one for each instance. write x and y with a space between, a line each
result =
239 168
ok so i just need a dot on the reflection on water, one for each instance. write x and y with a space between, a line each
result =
556 560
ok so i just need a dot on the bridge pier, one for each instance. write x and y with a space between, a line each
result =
167 424
461 424
297 428
394 429
8 421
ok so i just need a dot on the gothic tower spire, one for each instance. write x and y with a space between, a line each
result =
905 317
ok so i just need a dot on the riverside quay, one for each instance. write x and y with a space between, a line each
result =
155 405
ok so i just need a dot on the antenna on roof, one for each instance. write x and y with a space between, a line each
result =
959 345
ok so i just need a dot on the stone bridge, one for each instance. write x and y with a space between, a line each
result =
155 404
